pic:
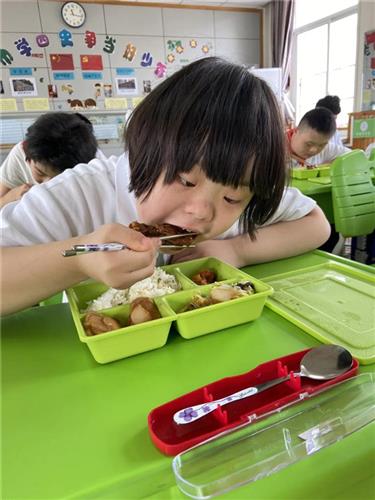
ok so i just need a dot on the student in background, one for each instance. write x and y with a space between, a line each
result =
332 102
369 151
309 144
205 150
53 143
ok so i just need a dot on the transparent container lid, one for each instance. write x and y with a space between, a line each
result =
259 449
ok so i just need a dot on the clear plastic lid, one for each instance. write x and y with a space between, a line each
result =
259 449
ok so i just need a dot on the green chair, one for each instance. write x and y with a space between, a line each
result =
353 194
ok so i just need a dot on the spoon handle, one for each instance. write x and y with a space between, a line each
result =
193 413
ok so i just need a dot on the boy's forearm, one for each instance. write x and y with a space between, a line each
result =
30 274
284 239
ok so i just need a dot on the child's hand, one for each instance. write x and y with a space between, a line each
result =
14 194
221 249
123 268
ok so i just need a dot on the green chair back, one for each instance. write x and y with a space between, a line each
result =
353 194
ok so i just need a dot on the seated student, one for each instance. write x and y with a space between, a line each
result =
309 144
205 150
54 142
332 102
369 151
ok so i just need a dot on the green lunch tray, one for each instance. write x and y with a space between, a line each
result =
321 180
130 340
332 302
309 173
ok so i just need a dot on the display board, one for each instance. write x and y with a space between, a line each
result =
361 129
273 76
116 57
368 91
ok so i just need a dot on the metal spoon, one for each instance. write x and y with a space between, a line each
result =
320 363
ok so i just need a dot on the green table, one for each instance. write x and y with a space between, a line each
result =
321 193
72 428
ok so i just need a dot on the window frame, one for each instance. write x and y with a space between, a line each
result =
327 20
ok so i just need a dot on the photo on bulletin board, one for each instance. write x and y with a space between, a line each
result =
107 89
126 86
23 87
147 86
52 91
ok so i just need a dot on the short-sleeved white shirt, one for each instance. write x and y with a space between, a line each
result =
80 200
15 171
329 153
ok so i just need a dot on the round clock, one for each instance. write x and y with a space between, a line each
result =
73 14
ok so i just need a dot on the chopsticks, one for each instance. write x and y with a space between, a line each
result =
115 247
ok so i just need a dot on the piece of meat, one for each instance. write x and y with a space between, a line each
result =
142 309
96 323
165 229
204 277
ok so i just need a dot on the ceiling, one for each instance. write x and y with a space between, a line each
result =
222 3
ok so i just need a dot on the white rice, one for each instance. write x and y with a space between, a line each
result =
160 283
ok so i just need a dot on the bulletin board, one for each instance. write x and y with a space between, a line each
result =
361 129
117 57
368 91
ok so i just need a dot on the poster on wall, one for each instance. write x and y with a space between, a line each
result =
368 91
23 87
126 86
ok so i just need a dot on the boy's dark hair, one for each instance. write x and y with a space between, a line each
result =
331 102
320 119
220 116
60 140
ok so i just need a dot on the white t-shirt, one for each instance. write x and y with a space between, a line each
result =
336 139
15 171
329 153
80 200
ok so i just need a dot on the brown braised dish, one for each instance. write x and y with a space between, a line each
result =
142 309
204 277
165 229
95 323
221 293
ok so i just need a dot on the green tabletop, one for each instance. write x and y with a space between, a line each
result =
321 193
72 428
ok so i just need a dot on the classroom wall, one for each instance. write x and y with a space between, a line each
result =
136 47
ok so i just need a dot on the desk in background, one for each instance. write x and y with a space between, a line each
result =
75 429
321 193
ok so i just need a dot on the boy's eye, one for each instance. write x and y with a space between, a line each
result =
185 182
231 201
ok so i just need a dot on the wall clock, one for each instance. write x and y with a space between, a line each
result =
73 14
